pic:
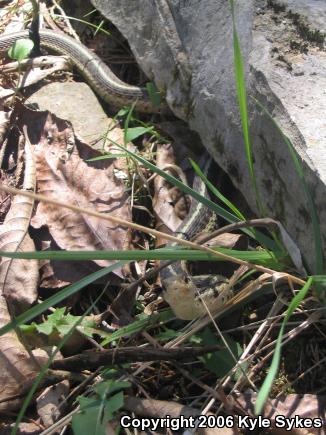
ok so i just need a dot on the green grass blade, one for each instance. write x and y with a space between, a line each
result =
126 124
252 232
268 382
141 324
95 26
261 238
57 298
135 132
107 156
154 94
171 253
242 101
229 217
183 187
216 192
225 214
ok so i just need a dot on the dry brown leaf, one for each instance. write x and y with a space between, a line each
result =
169 204
31 428
4 124
49 400
58 274
18 278
310 409
18 368
63 172
161 409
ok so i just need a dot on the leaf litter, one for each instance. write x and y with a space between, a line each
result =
63 171
63 167
56 164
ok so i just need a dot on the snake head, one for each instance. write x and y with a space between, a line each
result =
187 295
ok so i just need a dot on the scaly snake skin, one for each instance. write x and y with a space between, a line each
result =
184 293
104 82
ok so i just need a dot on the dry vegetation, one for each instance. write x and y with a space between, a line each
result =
91 340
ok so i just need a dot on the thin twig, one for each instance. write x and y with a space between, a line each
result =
263 222
146 230
89 360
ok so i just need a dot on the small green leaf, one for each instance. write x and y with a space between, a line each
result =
45 328
107 156
113 404
28 329
58 297
123 112
94 414
64 322
221 361
46 365
21 49
89 420
57 315
140 324
168 334
153 94
135 132
110 386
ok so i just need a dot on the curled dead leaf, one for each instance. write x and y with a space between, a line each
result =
64 171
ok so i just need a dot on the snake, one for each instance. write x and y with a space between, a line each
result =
190 296
94 70
186 294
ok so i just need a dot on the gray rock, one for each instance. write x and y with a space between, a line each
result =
77 103
313 11
186 47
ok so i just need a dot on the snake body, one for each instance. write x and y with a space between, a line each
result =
184 293
195 222
104 82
